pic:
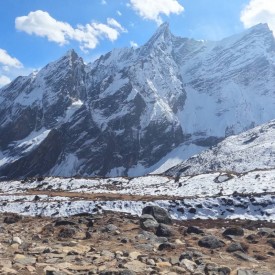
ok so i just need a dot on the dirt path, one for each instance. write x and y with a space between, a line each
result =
100 196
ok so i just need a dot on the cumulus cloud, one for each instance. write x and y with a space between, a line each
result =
42 24
4 80
259 11
152 9
8 61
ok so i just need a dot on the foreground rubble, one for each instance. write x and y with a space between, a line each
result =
117 243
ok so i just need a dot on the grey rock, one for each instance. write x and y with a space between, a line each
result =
213 269
271 242
235 247
160 214
164 230
264 231
244 257
148 222
194 230
210 242
110 228
64 222
12 218
66 233
166 246
233 231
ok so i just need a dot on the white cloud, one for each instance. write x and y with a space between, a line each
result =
118 13
9 61
114 23
40 23
103 2
4 80
152 9
133 44
259 11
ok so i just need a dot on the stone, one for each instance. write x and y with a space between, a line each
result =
165 230
213 269
265 231
150 262
194 230
174 260
186 255
166 246
109 228
189 265
36 237
136 266
107 254
179 242
66 233
253 238
126 272
24 260
134 255
7 270
64 222
211 242
12 218
16 240
244 257
235 247
148 223
233 231
30 268
160 214
260 257
163 264
271 242
179 269
145 246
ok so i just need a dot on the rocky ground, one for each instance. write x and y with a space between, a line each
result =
117 243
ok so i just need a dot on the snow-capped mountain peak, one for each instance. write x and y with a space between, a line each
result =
128 110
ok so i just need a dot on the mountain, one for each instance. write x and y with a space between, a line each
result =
128 111
249 151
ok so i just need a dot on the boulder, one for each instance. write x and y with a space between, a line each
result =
233 231
194 230
236 247
160 214
65 233
166 246
211 242
110 228
165 230
12 218
148 223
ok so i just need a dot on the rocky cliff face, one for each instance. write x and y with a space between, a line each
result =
123 113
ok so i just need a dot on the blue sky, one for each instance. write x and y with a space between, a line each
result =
34 33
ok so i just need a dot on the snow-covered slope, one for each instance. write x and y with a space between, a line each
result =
251 150
214 195
135 111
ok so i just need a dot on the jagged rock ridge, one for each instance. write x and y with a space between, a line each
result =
121 114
